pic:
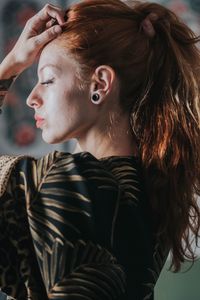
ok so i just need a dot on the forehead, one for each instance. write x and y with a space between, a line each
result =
53 54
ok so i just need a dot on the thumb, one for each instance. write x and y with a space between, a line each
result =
48 35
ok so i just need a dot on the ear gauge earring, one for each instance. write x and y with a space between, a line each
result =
95 98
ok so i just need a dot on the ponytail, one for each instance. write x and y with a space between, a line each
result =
166 119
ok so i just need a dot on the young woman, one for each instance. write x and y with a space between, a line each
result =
99 224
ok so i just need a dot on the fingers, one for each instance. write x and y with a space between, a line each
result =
45 15
51 11
51 23
46 36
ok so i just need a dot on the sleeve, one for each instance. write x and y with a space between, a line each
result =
10 280
17 259
81 270
72 264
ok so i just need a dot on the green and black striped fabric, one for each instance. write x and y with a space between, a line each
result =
77 228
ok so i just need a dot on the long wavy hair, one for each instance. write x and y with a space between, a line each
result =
160 88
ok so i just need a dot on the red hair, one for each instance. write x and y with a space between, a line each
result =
160 88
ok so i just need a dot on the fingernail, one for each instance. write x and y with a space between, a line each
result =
57 29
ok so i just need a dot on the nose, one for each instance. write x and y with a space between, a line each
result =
34 99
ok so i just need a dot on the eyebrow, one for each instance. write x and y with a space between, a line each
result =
49 65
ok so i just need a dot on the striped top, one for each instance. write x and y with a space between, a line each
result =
75 227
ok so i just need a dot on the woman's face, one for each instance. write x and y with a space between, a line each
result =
63 110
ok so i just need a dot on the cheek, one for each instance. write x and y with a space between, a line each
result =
63 111
68 109
74 102
56 103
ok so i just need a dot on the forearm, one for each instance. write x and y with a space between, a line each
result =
9 70
9 67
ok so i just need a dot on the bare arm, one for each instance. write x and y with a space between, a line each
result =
37 32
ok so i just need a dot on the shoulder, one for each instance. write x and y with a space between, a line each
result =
7 164
82 164
10 164
56 162
53 159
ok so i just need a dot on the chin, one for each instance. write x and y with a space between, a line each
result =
51 139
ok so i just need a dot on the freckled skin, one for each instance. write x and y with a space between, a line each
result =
67 109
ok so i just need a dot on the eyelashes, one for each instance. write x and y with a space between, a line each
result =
47 82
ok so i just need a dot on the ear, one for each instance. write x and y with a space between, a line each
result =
102 80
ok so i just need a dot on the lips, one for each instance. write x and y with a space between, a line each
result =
39 121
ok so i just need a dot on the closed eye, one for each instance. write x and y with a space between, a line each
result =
47 82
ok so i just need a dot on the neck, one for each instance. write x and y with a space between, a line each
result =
113 140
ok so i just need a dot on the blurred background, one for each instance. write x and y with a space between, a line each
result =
18 134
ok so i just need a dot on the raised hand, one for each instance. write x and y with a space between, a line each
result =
38 31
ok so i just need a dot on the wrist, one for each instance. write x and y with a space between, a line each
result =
10 67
